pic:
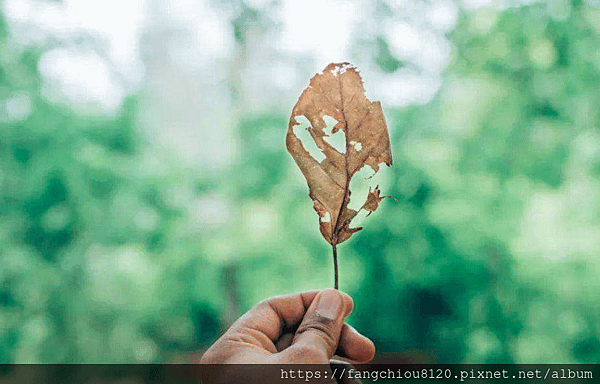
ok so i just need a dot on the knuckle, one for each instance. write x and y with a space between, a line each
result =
319 328
264 303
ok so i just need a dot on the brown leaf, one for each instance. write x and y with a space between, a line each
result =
373 200
338 92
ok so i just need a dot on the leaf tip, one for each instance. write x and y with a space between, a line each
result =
340 68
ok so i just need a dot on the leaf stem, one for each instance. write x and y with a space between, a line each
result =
335 265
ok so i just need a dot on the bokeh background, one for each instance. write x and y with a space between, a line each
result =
147 199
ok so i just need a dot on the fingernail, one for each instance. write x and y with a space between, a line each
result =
352 329
330 304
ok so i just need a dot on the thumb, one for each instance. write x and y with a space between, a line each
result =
317 337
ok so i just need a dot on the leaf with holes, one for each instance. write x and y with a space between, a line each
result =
338 92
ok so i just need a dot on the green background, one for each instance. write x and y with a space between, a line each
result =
139 232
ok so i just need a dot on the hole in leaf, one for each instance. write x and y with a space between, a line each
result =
357 146
360 183
301 130
359 219
336 140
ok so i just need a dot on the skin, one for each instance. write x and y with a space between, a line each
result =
302 328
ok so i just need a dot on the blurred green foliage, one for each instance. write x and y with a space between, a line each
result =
489 254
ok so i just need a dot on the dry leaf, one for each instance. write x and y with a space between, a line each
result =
338 92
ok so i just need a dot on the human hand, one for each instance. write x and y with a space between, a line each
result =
302 328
